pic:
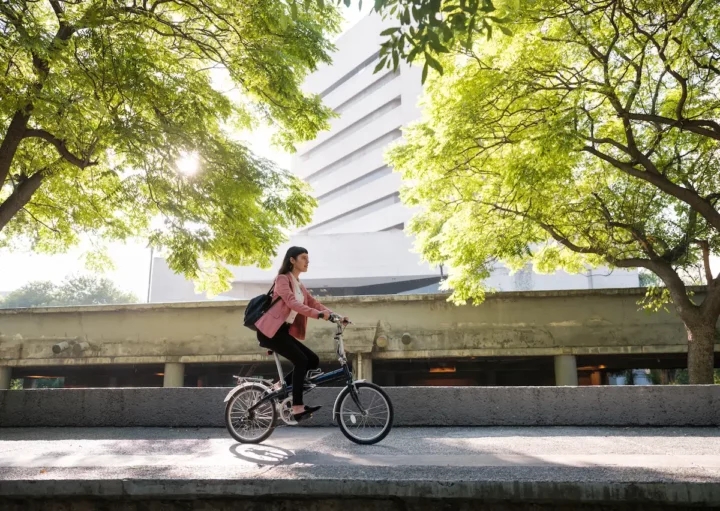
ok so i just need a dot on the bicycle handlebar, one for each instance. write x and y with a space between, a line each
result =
337 319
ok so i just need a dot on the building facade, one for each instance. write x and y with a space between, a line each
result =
356 239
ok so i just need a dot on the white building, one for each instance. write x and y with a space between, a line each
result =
356 240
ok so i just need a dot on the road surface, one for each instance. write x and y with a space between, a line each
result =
671 465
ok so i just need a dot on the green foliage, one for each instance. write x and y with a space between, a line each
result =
33 294
656 298
16 384
574 143
82 290
100 101
681 377
648 279
425 29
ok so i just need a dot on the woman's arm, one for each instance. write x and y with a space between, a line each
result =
284 291
312 302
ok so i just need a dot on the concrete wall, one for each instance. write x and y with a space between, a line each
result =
387 327
451 406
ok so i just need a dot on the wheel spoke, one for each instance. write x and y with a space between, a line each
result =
373 421
247 425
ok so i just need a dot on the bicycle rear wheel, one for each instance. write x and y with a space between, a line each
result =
250 427
371 424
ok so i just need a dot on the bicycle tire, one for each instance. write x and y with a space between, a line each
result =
229 423
345 394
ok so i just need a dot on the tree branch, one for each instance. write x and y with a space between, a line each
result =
61 147
705 247
706 128
690 197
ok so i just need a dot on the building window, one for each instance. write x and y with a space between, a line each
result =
354 72
377 85
354 214
353 128
378 143
355 184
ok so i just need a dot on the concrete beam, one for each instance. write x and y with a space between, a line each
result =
174 375
413 327
566 370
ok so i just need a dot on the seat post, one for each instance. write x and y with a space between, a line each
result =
279 367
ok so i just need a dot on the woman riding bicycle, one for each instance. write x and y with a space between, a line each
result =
283 326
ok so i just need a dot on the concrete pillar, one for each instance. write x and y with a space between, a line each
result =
566 370
363 367
174 375
5 373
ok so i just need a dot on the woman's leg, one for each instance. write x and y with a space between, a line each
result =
287 346
313 359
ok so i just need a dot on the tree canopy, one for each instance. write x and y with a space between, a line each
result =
103 104
79 290
588 137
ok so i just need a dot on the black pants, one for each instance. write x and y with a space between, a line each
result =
302 357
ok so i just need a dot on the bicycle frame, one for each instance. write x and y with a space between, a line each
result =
343 373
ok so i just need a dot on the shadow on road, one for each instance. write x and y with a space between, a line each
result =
268 455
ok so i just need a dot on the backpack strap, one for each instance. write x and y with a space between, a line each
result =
269 295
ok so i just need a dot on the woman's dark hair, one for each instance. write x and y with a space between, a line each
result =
293 252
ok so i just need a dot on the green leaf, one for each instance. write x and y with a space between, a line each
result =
505 30
381 65
389 31
433 63
424 72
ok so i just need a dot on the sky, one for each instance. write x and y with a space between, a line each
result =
132 260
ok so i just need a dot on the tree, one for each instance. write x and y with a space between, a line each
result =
82 290
34 294
589 137
108 108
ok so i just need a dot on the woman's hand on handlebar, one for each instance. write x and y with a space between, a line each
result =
337 318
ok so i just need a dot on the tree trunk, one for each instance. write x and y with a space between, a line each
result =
9 145
701 356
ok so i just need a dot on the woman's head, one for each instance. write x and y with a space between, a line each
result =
295 258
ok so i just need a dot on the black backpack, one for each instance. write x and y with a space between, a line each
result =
257 307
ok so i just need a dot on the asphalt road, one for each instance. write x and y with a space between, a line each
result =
680 465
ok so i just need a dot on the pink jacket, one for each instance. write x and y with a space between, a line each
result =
274 318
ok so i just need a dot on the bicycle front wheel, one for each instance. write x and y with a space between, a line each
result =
250 427
370 422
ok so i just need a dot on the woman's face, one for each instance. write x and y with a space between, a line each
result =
301 262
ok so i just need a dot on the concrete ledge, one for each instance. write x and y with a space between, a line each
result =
687 405
431 297
571 492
